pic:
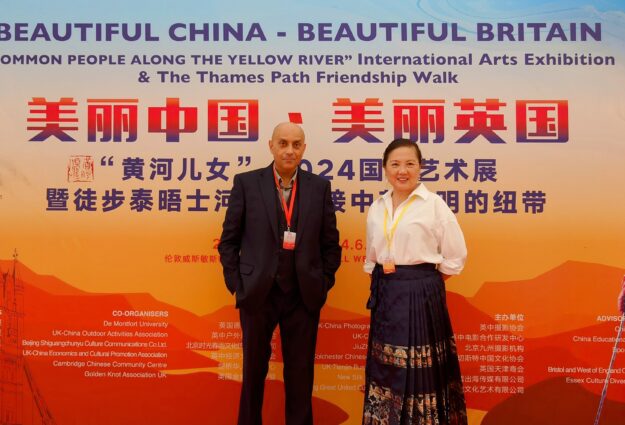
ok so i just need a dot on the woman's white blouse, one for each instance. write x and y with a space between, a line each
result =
428 232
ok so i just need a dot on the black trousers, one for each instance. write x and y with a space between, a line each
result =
298 333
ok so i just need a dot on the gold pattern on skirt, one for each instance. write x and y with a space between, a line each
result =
419 356
383 407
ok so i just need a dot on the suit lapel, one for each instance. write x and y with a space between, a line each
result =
268 191
303 190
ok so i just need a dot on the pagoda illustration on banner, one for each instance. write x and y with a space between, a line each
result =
18 390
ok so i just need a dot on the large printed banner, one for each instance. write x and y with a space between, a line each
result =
122 125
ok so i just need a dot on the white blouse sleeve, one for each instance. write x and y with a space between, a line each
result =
452 245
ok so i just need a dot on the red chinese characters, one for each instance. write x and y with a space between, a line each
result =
237 120
55 118
232 120
111 119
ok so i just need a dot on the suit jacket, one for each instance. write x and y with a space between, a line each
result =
250 244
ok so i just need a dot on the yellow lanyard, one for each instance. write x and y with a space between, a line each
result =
387 236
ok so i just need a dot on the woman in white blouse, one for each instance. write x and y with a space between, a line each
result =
414 243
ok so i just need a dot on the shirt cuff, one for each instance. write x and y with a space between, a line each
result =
451 267
368 267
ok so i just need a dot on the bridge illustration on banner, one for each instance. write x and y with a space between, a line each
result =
21 402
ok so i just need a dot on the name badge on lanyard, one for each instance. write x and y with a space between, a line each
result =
388 264
288 242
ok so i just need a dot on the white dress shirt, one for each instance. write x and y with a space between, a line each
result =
428 232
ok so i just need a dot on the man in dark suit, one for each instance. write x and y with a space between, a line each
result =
279 251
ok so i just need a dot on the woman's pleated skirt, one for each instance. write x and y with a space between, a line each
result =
412 374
